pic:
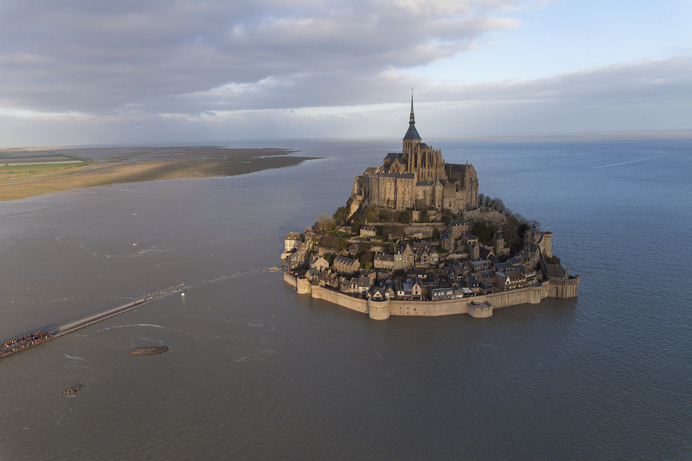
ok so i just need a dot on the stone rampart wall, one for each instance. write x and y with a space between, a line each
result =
290 279
568 288
477 306
423 229
342 299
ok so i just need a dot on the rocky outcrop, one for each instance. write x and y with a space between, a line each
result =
149 350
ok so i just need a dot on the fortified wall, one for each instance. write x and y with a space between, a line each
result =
476 306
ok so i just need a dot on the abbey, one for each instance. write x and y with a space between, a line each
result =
417 179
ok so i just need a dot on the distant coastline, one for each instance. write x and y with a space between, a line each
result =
31 172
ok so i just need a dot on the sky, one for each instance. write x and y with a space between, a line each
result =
128 72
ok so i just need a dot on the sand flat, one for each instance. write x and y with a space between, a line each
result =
125 165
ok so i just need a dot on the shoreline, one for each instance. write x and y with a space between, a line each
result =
128 165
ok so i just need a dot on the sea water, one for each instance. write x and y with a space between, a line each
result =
255 371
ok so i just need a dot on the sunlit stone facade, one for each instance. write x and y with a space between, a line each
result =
418 179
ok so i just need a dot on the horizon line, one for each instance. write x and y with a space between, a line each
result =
566 137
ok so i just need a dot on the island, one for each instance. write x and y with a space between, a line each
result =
416 238
28 172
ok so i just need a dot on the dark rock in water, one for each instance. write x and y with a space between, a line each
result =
73 389
149 350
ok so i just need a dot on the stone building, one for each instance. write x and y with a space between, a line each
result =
318 262
345 265
293 241
368 231
383 261
418 179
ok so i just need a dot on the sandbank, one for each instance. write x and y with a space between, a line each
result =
31 172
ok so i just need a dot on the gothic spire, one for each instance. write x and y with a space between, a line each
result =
412 133
412 119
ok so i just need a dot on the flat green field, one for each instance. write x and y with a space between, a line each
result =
13 173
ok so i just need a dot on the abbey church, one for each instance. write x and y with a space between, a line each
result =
417 179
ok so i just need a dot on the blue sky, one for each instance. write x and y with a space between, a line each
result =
569 36
130 72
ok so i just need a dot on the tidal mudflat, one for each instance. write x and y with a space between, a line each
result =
31 172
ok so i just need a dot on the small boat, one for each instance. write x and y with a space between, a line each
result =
136 243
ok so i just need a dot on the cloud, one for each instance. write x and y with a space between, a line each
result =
128 71
100 57
639 80
645 96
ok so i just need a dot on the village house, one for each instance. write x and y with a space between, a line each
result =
458 229
423 257
364 284
437 294
473 284
383 261
293 241
318 262
416 291
345 265
404 258
378 293
403 289
480 265
367 230
509 280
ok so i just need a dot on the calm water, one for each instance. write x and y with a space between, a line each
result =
255 371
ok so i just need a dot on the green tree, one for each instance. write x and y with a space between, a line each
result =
325 223
498 205
512 235
483 231
371 214
332 242
366 257
341 215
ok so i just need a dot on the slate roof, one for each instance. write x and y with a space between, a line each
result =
392 155
412 133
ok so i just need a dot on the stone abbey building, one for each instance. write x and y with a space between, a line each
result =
417 179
